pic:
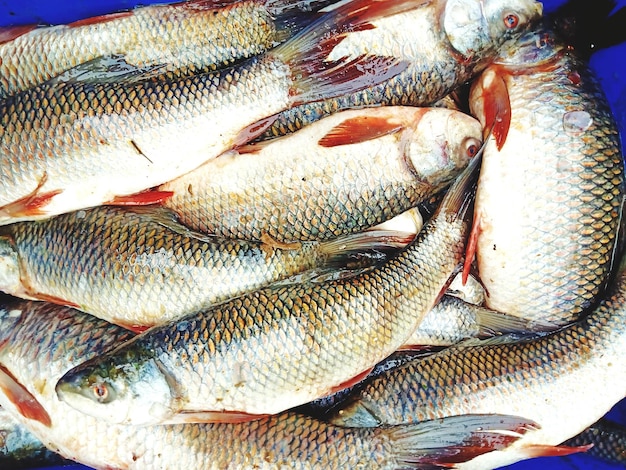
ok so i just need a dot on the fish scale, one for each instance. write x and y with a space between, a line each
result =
276 348
549 202
39 341
328 190
528 377
141 267
442 51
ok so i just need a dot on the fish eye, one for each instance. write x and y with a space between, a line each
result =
102 392
511 21
472 147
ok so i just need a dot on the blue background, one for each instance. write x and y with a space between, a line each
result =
609 65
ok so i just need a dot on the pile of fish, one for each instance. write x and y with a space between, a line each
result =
312 234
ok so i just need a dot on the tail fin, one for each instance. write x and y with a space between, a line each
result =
444 442
317 79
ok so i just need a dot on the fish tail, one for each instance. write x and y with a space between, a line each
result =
292 17
491 323
441 443
460 197
314 77
364 248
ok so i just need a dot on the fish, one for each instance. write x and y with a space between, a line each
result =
181 38
564 380
273 349
453 320
446 43
140 267
551 189
40 341
86 139
608 439
19 448
351 171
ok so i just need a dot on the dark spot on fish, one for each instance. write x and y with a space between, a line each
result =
134 144
135 457
304 178
494 247
190 189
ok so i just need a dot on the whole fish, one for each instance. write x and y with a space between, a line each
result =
550 192
180 38
446 43
564 381
274 349
40 341
85 140
350 171
138 268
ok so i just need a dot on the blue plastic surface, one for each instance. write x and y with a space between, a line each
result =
609 65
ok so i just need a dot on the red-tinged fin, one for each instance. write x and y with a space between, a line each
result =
537 450
144 198
100 19
316 78
359 129
55 300
351 382
213 417
470 248
24 401
444 442
32 204
252 131
496 106
137 329
9 33
418 348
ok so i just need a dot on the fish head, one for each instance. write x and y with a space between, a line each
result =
475 27
537 48
441 144
120 389
10 278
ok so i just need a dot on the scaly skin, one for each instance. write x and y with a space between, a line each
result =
273 349
82 142
446 42
549 202
189 35
139 267
40 341
608 439
294 189
564 381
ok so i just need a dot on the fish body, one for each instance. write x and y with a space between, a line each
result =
349 171
179 38
86 140
41 341
446 43
564 381
608 439
140 267
19 448
274 349
549 201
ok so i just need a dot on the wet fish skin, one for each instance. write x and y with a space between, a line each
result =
446 42
116 138
608 439
19 448
368 166
549 202
40 341
529 378
274 349
140 267
182 37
